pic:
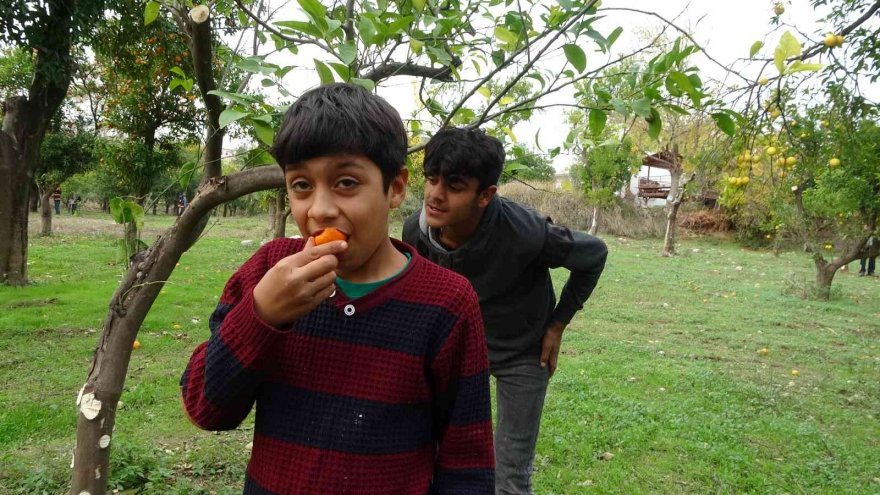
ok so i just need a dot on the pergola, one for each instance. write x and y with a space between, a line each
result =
666 160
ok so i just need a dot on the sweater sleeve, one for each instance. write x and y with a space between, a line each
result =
465 461
584 256
224 374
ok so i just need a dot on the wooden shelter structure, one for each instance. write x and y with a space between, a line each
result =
666 160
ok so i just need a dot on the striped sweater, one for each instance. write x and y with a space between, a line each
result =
385 394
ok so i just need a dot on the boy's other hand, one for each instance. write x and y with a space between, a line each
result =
298 283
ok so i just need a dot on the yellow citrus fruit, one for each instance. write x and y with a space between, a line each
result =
136 345
772 150
834 163
764 351
779 9
330 234
795 372
763 81
830 41
838 40
790 161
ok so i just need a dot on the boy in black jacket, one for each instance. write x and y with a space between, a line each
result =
506 250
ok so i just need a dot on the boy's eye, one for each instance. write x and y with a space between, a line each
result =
346 183
432 179
299 185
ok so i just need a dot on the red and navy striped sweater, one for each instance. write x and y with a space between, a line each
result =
385 394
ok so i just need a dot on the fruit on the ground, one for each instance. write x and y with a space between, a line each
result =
834 162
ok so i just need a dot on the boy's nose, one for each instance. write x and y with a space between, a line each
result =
323 206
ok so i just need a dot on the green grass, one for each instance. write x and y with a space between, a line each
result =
661 370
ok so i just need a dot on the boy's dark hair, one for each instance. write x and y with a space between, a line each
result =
342 118
463 152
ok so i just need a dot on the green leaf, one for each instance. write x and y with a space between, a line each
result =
509 134
324 72
264 132
506 100
186 174
347 52
368 84
654 124
506 36
798 66
186 84
236 97
368 31
343 70
788 47
302 27
510 167
116 209
313 8
725 123
483 90
416 46
614 35
756 47
151 12
419 5
230 115
642 107
597 121
178 71
575 56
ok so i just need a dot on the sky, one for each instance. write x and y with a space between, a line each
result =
725 30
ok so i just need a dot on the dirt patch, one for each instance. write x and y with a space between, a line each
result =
31 304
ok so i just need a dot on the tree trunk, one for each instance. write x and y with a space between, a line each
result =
46 211
129 306
135 295
825 272
15 178
594 223
281 214
34 198
21 134
673 203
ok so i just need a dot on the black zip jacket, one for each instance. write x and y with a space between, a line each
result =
508 261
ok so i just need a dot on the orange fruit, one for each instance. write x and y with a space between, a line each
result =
136 345
330 234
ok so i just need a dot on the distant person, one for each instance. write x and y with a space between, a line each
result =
506 250
70 202
181 203
366 363
868 256
56 197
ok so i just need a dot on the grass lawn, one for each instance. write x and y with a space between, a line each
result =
661 388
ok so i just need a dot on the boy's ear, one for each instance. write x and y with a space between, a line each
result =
397 188
486 195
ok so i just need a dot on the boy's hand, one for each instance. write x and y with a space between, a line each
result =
298 283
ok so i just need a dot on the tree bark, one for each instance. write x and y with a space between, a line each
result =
129 306
46 211
281 214
594 224
13 213
34 198
674 202
21 134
